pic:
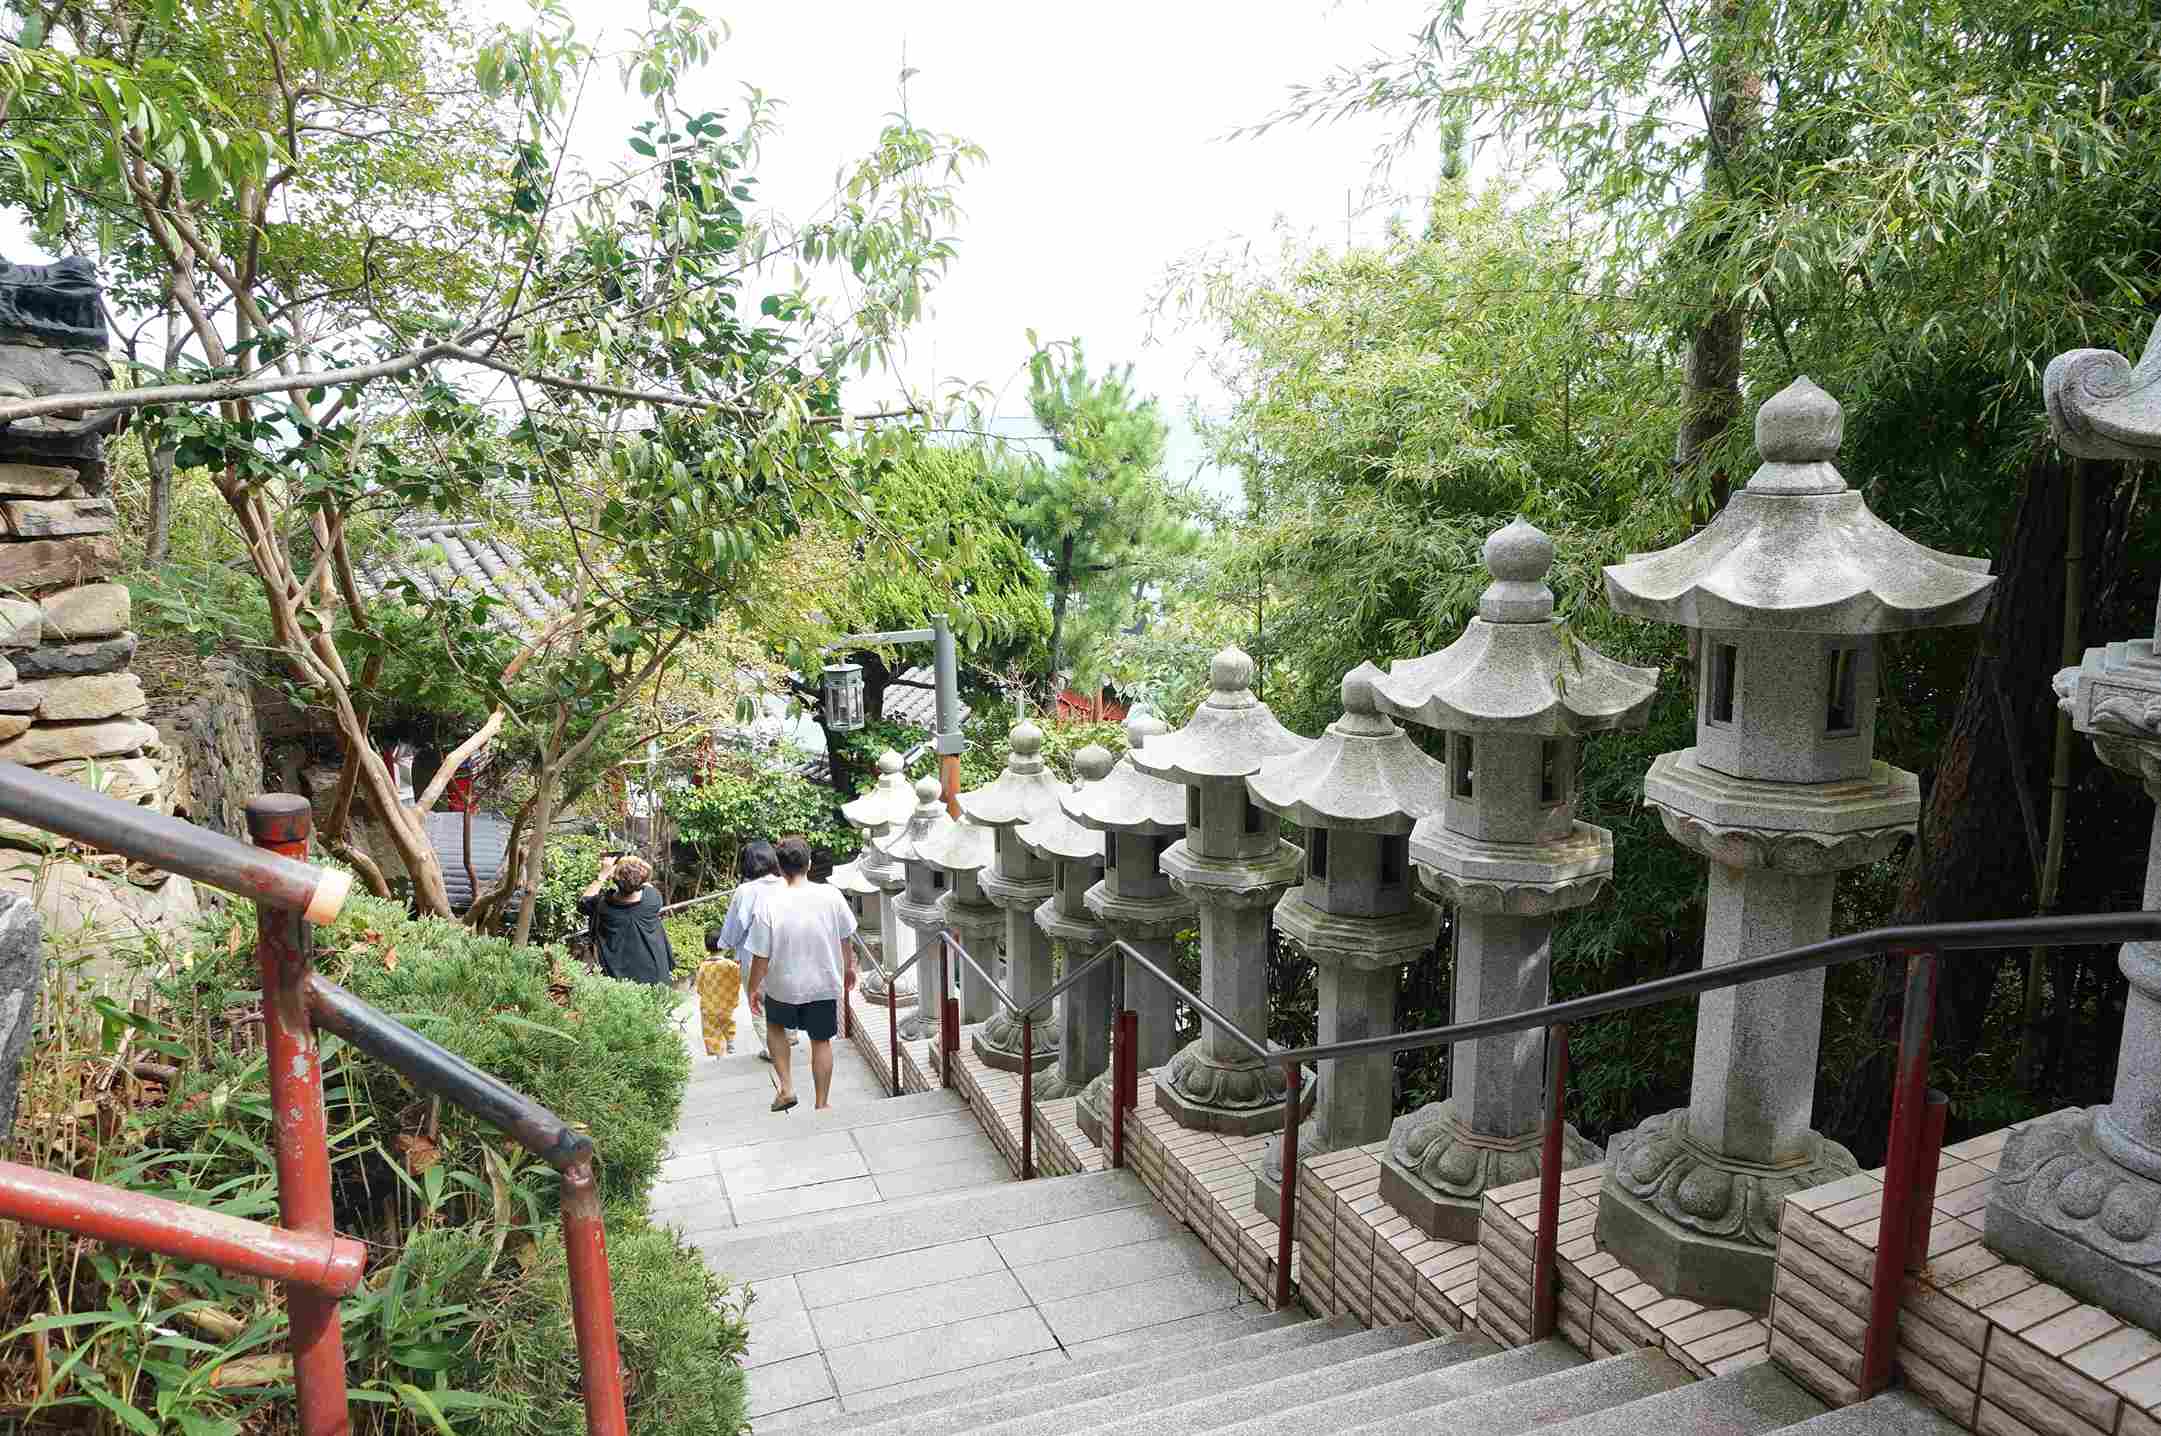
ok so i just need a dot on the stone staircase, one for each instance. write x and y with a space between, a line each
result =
1273 1374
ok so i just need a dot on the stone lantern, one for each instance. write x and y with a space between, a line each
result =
921 903
1017 881
2078 1193
1075 854
1234 865
961 851
1139 817
877 813
1788 589
1358 790
1515 702
862 895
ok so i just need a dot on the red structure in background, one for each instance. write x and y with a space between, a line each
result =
1105 707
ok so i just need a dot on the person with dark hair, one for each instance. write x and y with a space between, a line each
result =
802 962
627 933
760 869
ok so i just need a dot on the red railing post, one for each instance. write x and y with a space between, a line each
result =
948 1039
1909 1122
279 822
1545 1241
1027 1095
1121 1058
1924 1178
1287 1197
592 1303
892 1026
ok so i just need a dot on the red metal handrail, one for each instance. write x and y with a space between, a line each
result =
304 1254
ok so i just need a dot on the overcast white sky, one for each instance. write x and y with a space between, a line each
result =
1105 126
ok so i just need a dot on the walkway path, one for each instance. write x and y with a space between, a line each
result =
891 1253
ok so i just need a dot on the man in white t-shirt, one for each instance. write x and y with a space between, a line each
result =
802 964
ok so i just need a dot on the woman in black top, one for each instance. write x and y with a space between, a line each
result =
626 923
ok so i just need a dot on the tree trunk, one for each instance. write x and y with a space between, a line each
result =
1975 857
158 523
1062 587
536 841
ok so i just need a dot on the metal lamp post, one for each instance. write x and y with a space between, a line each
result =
946 741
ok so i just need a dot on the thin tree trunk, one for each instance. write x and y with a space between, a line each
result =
1063 578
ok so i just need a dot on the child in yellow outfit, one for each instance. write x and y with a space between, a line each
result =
720 983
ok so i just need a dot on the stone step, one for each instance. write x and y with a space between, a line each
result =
1136 1377
1544 1402
808 1243
1202 1382
1895 1413
1748 1402
1150 1343
1412 1393
1341 1377
744 1121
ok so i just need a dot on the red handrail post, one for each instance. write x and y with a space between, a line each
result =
592 1303
1121 1058
1909 1122
892 1027
279 822
1545 1242
1287 1196
1938 1115
1027 1096
1130 1090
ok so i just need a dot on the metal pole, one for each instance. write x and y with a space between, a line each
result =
592 1303
892 1027
947 740
1121 1054
1287 1203
1545 1242
1924 1179
1027 1096
279 822
1909 1121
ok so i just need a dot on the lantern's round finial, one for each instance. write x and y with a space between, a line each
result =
1358 689
889 762
1230 671
1800 424
1141 725
1519 553
1026 739
927 789
1093 763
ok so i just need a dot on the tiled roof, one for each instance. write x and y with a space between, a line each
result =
916 707
473 562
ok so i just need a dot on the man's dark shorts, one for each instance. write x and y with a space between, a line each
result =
819 1020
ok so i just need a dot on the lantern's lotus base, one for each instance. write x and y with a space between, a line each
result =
997 1044
1437 1170
1234 1096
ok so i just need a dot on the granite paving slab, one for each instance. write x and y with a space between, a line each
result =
948 1346
873 1317
1143 1303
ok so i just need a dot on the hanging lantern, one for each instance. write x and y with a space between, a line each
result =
843 697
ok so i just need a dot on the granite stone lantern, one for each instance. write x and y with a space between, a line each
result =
2078 1194
921 902
1358 791
1017 881
1514 701
961 851
1140 817
862 895
877 813
1075 854
1788 590
1233 864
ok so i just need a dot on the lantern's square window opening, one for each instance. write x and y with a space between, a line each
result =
1253 816
1317 853
1395 859
1725 664
1842 709
1193 809
1460 754
1549 771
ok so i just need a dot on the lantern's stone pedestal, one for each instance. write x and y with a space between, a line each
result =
1083 1017
1148 925
1017 881
2078 1195
1490 1131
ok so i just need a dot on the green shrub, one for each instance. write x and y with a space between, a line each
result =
720 816
569 864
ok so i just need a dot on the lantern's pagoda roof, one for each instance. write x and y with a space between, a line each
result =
1513 669
1128 800
961 847
1025 791
1363 775
1231 734
1056 836
1799 552
887 804
907 844
849 878
2104 407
